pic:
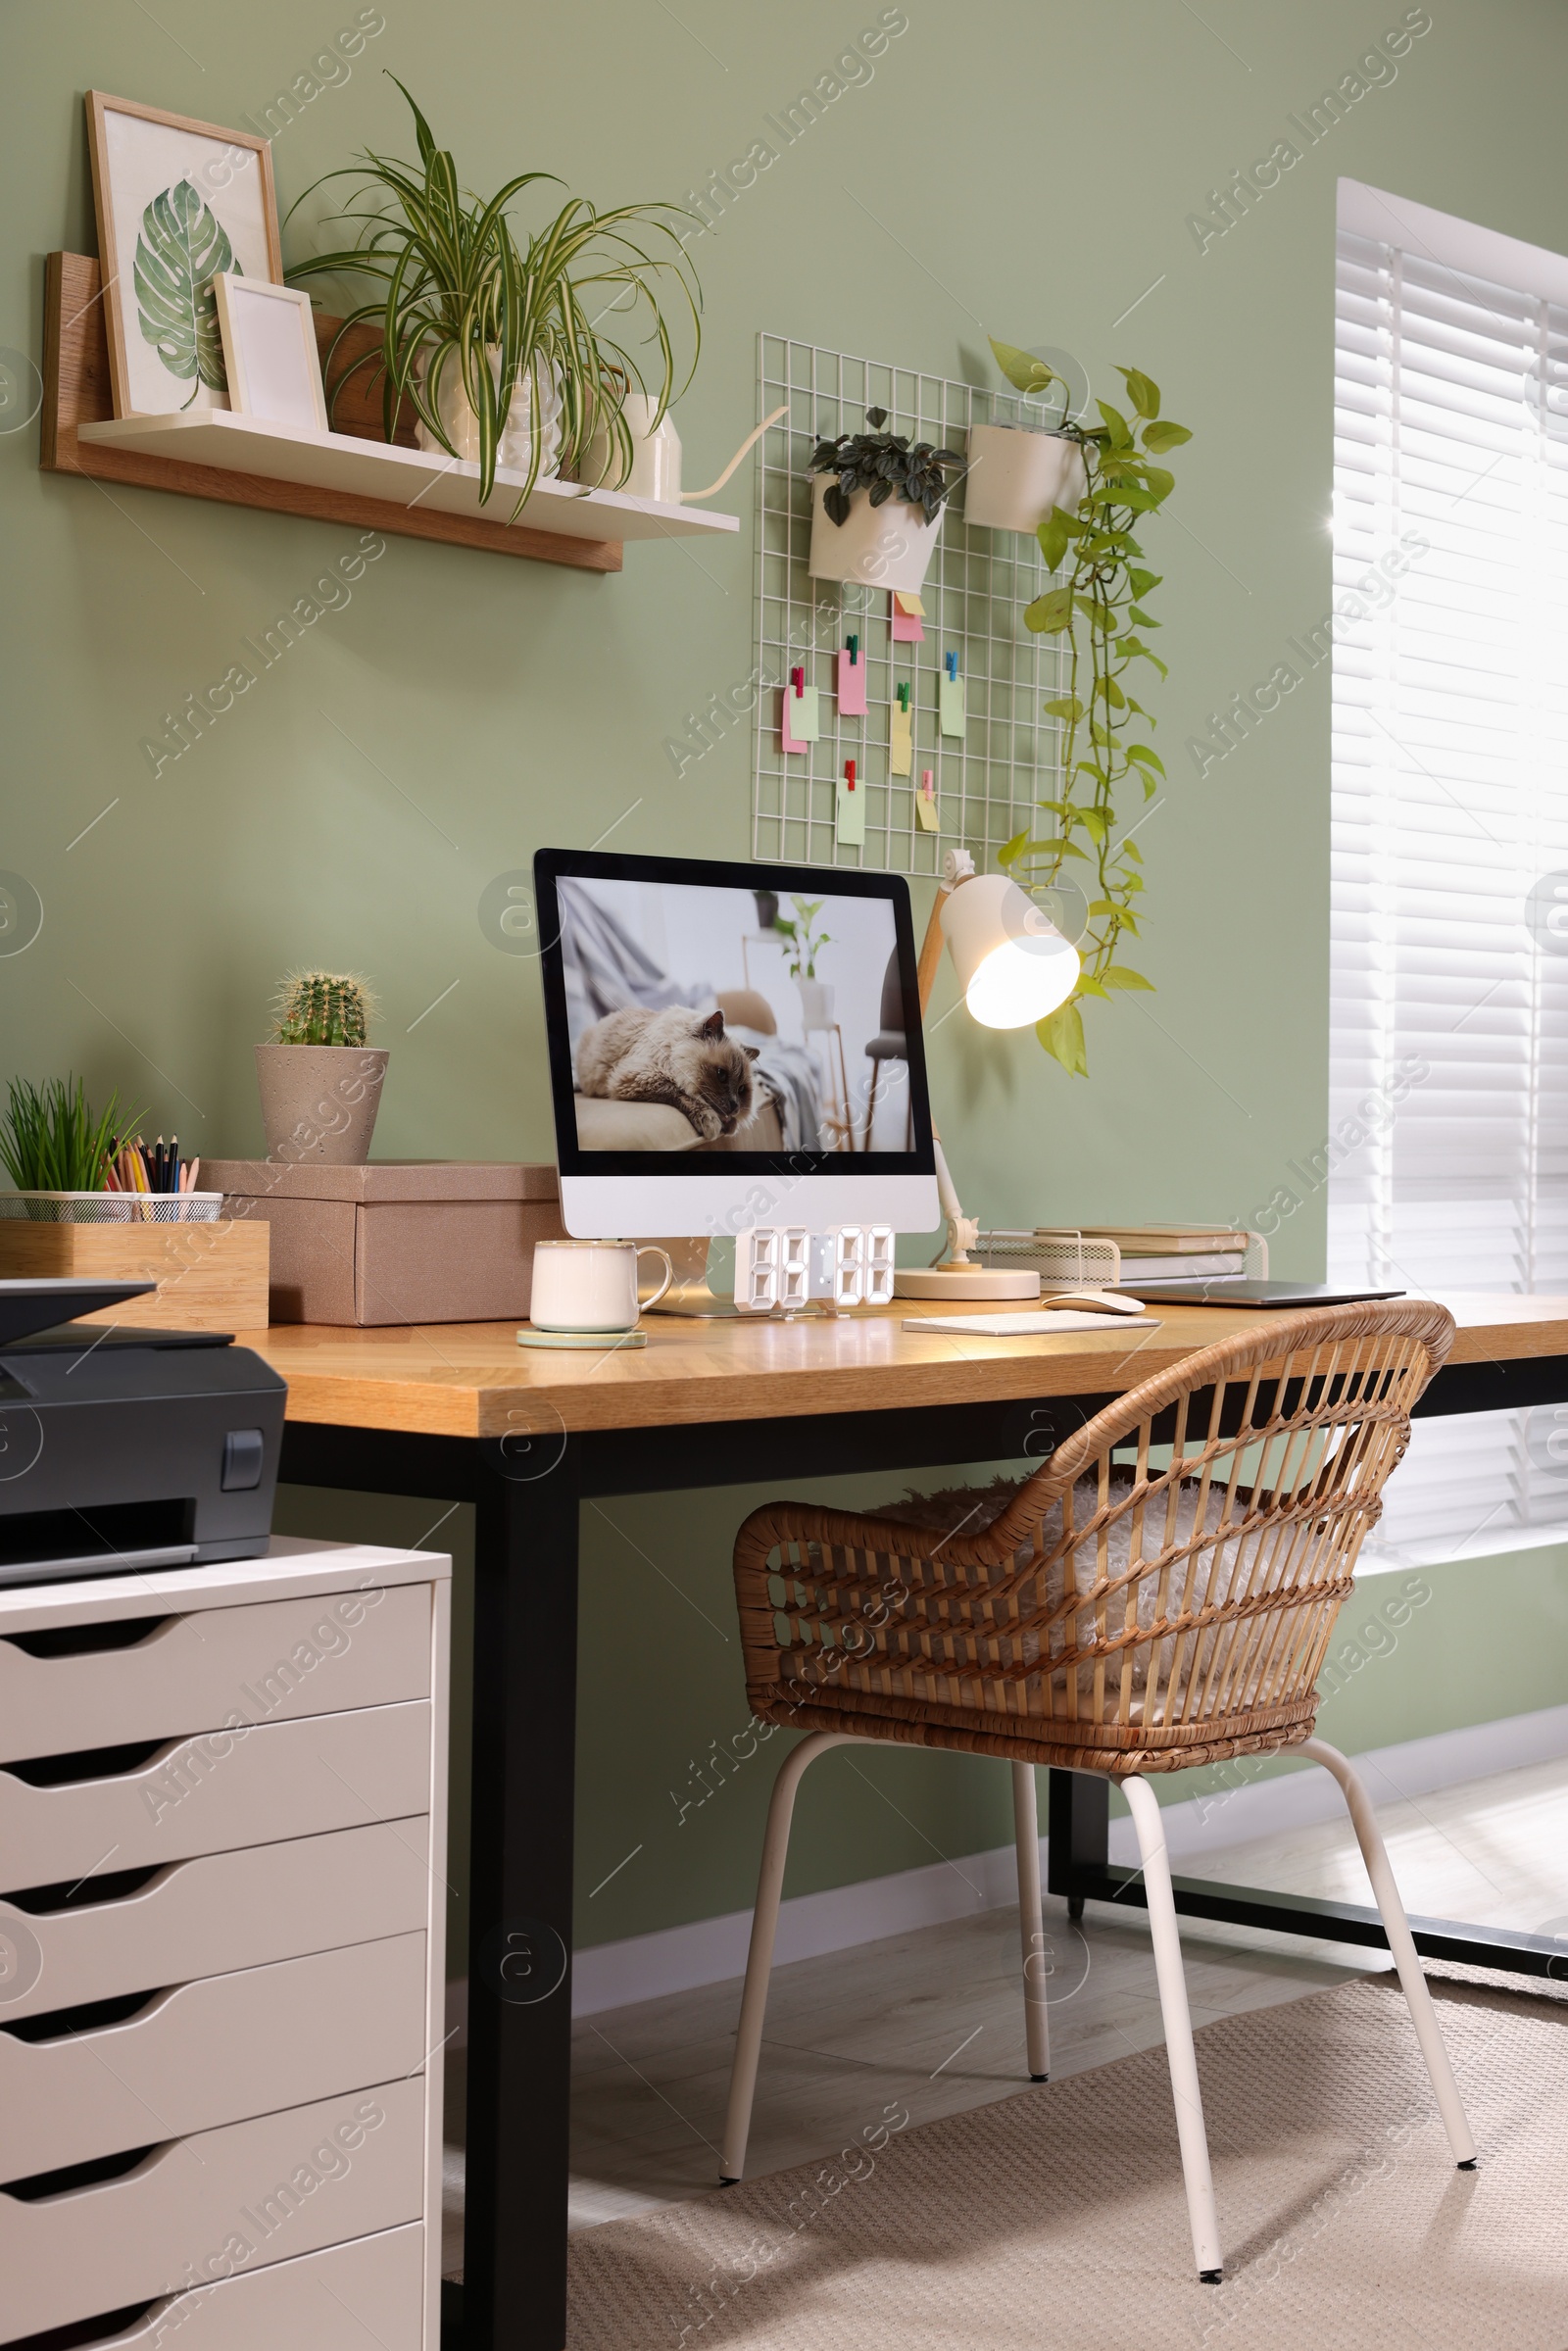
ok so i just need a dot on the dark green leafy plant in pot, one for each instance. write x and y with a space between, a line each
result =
1100 609
885 464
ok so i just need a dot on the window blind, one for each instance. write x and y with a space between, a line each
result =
1449 1021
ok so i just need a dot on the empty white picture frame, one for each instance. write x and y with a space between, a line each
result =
269 354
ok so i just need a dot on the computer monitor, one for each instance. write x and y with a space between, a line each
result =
732 1047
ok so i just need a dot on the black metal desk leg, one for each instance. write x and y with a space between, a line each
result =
1078 1833
519 1952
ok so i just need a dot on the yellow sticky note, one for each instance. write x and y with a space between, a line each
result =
852 816
909 603
902 741
925 805
951 706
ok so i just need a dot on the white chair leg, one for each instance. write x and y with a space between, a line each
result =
1031 1922
760 1957
1179 2051
1397 1926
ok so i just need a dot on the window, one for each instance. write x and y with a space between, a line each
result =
1448 1027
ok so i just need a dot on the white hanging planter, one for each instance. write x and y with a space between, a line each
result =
1016 476
515 451
887 546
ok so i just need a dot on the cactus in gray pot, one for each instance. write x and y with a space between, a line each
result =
323 1007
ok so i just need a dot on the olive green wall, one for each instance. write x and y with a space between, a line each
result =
1028 170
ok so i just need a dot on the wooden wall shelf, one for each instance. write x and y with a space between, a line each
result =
350 475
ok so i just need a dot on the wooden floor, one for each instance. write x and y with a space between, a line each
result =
932 2020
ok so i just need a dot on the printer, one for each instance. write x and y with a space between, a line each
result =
125 1448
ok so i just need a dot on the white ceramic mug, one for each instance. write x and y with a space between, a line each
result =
590 1285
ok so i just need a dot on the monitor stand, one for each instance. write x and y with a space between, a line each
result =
689 1293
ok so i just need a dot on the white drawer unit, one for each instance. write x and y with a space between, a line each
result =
211 1915
215 1793
223 1814
348 2298
220 2202
212 1669
211 2052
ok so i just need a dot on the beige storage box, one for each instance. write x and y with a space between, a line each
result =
411 1240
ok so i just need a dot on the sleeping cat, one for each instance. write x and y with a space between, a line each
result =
676 1057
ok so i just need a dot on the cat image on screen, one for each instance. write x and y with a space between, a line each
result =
676 1057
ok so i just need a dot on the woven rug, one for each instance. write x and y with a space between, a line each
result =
1057 2218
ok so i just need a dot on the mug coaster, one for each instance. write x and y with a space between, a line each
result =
609 1342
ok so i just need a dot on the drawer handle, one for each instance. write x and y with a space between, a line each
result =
89 1763
107 2326
89 2016
74 2175
86 1893
90 1641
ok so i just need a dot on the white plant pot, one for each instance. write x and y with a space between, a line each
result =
816 1000
655 457
887 546
1016 476
456 411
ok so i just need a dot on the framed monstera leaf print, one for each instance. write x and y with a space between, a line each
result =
177 201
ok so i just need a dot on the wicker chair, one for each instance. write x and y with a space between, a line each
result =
1135 1608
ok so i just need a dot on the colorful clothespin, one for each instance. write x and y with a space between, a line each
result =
799 721
852 681
951 714
901 739
925 803
851 825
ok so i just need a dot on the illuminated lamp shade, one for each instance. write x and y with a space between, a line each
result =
1013 963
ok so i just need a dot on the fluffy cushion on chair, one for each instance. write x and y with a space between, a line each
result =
922 1629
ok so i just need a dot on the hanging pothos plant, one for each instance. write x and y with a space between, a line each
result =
1100 610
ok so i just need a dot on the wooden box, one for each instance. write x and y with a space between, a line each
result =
211 1277
399 1241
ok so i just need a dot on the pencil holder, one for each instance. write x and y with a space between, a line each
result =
111 1207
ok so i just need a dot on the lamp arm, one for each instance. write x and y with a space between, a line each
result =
963 1231
957 868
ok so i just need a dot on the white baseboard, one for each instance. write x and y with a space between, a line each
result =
1296 1799
644 1967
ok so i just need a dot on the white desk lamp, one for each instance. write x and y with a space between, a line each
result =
1014 968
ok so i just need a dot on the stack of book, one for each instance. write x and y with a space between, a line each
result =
1112 1256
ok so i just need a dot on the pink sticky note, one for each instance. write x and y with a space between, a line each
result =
787 740
906 626
852 686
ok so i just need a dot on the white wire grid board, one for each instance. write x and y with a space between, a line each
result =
988 782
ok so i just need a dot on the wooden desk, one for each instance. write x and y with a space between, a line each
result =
462 1413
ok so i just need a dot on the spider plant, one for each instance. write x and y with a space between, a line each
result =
50 1141
458 291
